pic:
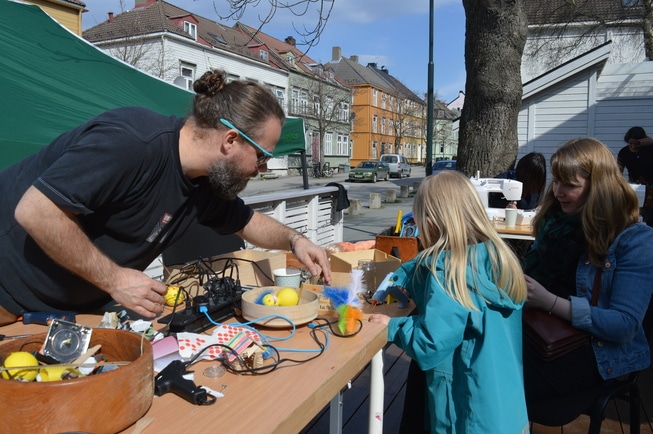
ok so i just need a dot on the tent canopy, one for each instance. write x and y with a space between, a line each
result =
53 80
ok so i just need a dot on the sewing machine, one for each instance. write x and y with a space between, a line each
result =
510 188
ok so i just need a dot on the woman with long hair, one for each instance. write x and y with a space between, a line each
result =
588 221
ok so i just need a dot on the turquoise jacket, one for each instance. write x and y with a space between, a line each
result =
472 358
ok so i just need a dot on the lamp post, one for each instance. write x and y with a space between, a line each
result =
429 96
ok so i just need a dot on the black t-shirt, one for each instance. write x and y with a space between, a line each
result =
120 172
639 164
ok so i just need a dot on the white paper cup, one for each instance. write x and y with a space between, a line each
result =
511 217
288 277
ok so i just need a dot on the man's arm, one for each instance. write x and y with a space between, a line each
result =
59 234
266 232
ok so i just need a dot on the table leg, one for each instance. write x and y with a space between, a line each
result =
335 414
377 392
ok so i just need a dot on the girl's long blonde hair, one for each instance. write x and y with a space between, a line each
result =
611 203
450 219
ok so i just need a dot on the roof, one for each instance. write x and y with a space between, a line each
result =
355 74
278 49
592 58
566 11
161 17
398 86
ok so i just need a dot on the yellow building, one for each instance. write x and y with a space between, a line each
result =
68 13
387 117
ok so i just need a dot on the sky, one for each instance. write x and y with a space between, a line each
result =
377 31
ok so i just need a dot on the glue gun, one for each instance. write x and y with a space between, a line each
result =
171 379
387 288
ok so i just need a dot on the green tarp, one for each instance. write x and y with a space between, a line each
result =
53 80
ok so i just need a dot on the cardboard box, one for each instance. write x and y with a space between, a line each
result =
384 263
404 248
254 267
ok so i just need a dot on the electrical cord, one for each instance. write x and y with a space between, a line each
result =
272 353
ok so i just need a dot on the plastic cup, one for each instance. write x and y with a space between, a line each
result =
511 217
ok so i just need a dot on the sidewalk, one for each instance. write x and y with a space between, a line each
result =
370 222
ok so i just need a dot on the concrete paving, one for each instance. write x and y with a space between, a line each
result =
370 221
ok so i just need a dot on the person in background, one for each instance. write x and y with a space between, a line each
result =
588 221
637 158
85 215
531 172
468 288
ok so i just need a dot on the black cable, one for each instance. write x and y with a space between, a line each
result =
265 369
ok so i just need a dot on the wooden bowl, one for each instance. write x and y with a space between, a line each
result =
102 403
302 313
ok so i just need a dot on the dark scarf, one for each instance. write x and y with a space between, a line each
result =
554 260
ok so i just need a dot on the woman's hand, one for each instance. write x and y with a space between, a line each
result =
538 296
379 318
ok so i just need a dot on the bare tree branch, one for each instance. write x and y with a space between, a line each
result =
310 35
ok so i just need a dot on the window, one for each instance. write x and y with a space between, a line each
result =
375 120
382 125
191 29
375 97
384 100
329 108
343 112
281 97
298 101
187 70
263 54
328 143
374 152
294 101
317 106
343 144
303 102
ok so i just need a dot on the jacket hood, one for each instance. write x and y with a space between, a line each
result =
480 280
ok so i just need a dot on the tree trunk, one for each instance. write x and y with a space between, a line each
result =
494 42
647 27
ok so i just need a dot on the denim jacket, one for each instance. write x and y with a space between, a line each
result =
619 342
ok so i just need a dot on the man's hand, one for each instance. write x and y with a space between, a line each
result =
138 292
61 237
314 257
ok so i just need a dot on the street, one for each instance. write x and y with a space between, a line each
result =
371 221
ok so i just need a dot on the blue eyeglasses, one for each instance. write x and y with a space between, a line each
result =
263 155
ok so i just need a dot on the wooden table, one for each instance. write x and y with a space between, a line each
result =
282 401
518 232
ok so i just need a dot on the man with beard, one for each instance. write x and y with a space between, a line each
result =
85 215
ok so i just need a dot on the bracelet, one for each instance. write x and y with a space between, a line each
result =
292 240
554 305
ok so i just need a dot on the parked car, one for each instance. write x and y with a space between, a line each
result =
442 165
399 166
370 171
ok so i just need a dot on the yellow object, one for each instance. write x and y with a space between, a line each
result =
52 373
20 358
269 300
171 296
287 297
400 214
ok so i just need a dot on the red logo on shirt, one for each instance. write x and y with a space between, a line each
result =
166 218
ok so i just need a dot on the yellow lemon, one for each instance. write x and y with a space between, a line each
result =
174 296
19 359
269 300
287 297
52 373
